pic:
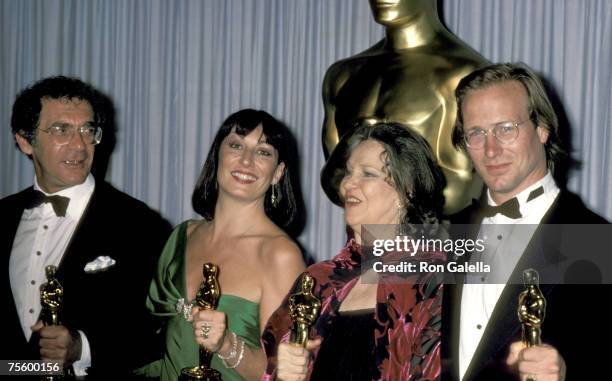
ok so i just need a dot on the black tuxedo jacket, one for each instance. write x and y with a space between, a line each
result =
108 306
574 321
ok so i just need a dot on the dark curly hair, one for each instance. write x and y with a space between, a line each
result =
411 168
27 106
205 194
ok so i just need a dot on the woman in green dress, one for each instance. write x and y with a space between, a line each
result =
245 195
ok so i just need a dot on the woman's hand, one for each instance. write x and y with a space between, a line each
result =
293 360
209 329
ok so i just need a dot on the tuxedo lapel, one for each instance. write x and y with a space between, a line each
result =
568 208
503 326
503 329
80 240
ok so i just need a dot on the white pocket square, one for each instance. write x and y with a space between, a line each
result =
103 262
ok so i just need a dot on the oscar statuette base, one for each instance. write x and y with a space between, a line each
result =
199 373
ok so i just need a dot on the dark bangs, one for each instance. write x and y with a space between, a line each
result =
278 136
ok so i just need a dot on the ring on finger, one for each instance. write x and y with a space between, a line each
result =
531 378
205 330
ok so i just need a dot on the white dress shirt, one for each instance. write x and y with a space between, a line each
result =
41 240
504 247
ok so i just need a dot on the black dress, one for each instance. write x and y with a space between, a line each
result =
347 353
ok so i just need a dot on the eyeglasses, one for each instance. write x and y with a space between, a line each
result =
504 132
62 133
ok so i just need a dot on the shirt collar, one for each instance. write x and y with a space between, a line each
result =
547 183
79 196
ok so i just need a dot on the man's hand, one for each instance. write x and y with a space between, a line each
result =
539 363
57 343
293 360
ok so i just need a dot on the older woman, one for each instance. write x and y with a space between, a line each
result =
385 330
245 195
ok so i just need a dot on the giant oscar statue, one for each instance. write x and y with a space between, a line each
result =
207 297
408 77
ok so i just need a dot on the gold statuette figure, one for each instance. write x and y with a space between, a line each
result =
51 295
207 298
408 77
531 309
304 309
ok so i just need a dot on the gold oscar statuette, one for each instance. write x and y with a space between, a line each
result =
304 309
531 308
51 296
206 298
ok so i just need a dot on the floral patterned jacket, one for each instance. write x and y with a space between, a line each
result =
407 313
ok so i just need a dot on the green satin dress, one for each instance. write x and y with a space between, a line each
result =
181 350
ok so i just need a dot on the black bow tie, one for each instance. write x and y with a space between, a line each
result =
59 203
510 208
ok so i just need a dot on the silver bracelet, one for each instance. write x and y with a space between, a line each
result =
232 353
239 357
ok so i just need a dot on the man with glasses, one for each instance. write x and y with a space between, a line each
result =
507 125
103 242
